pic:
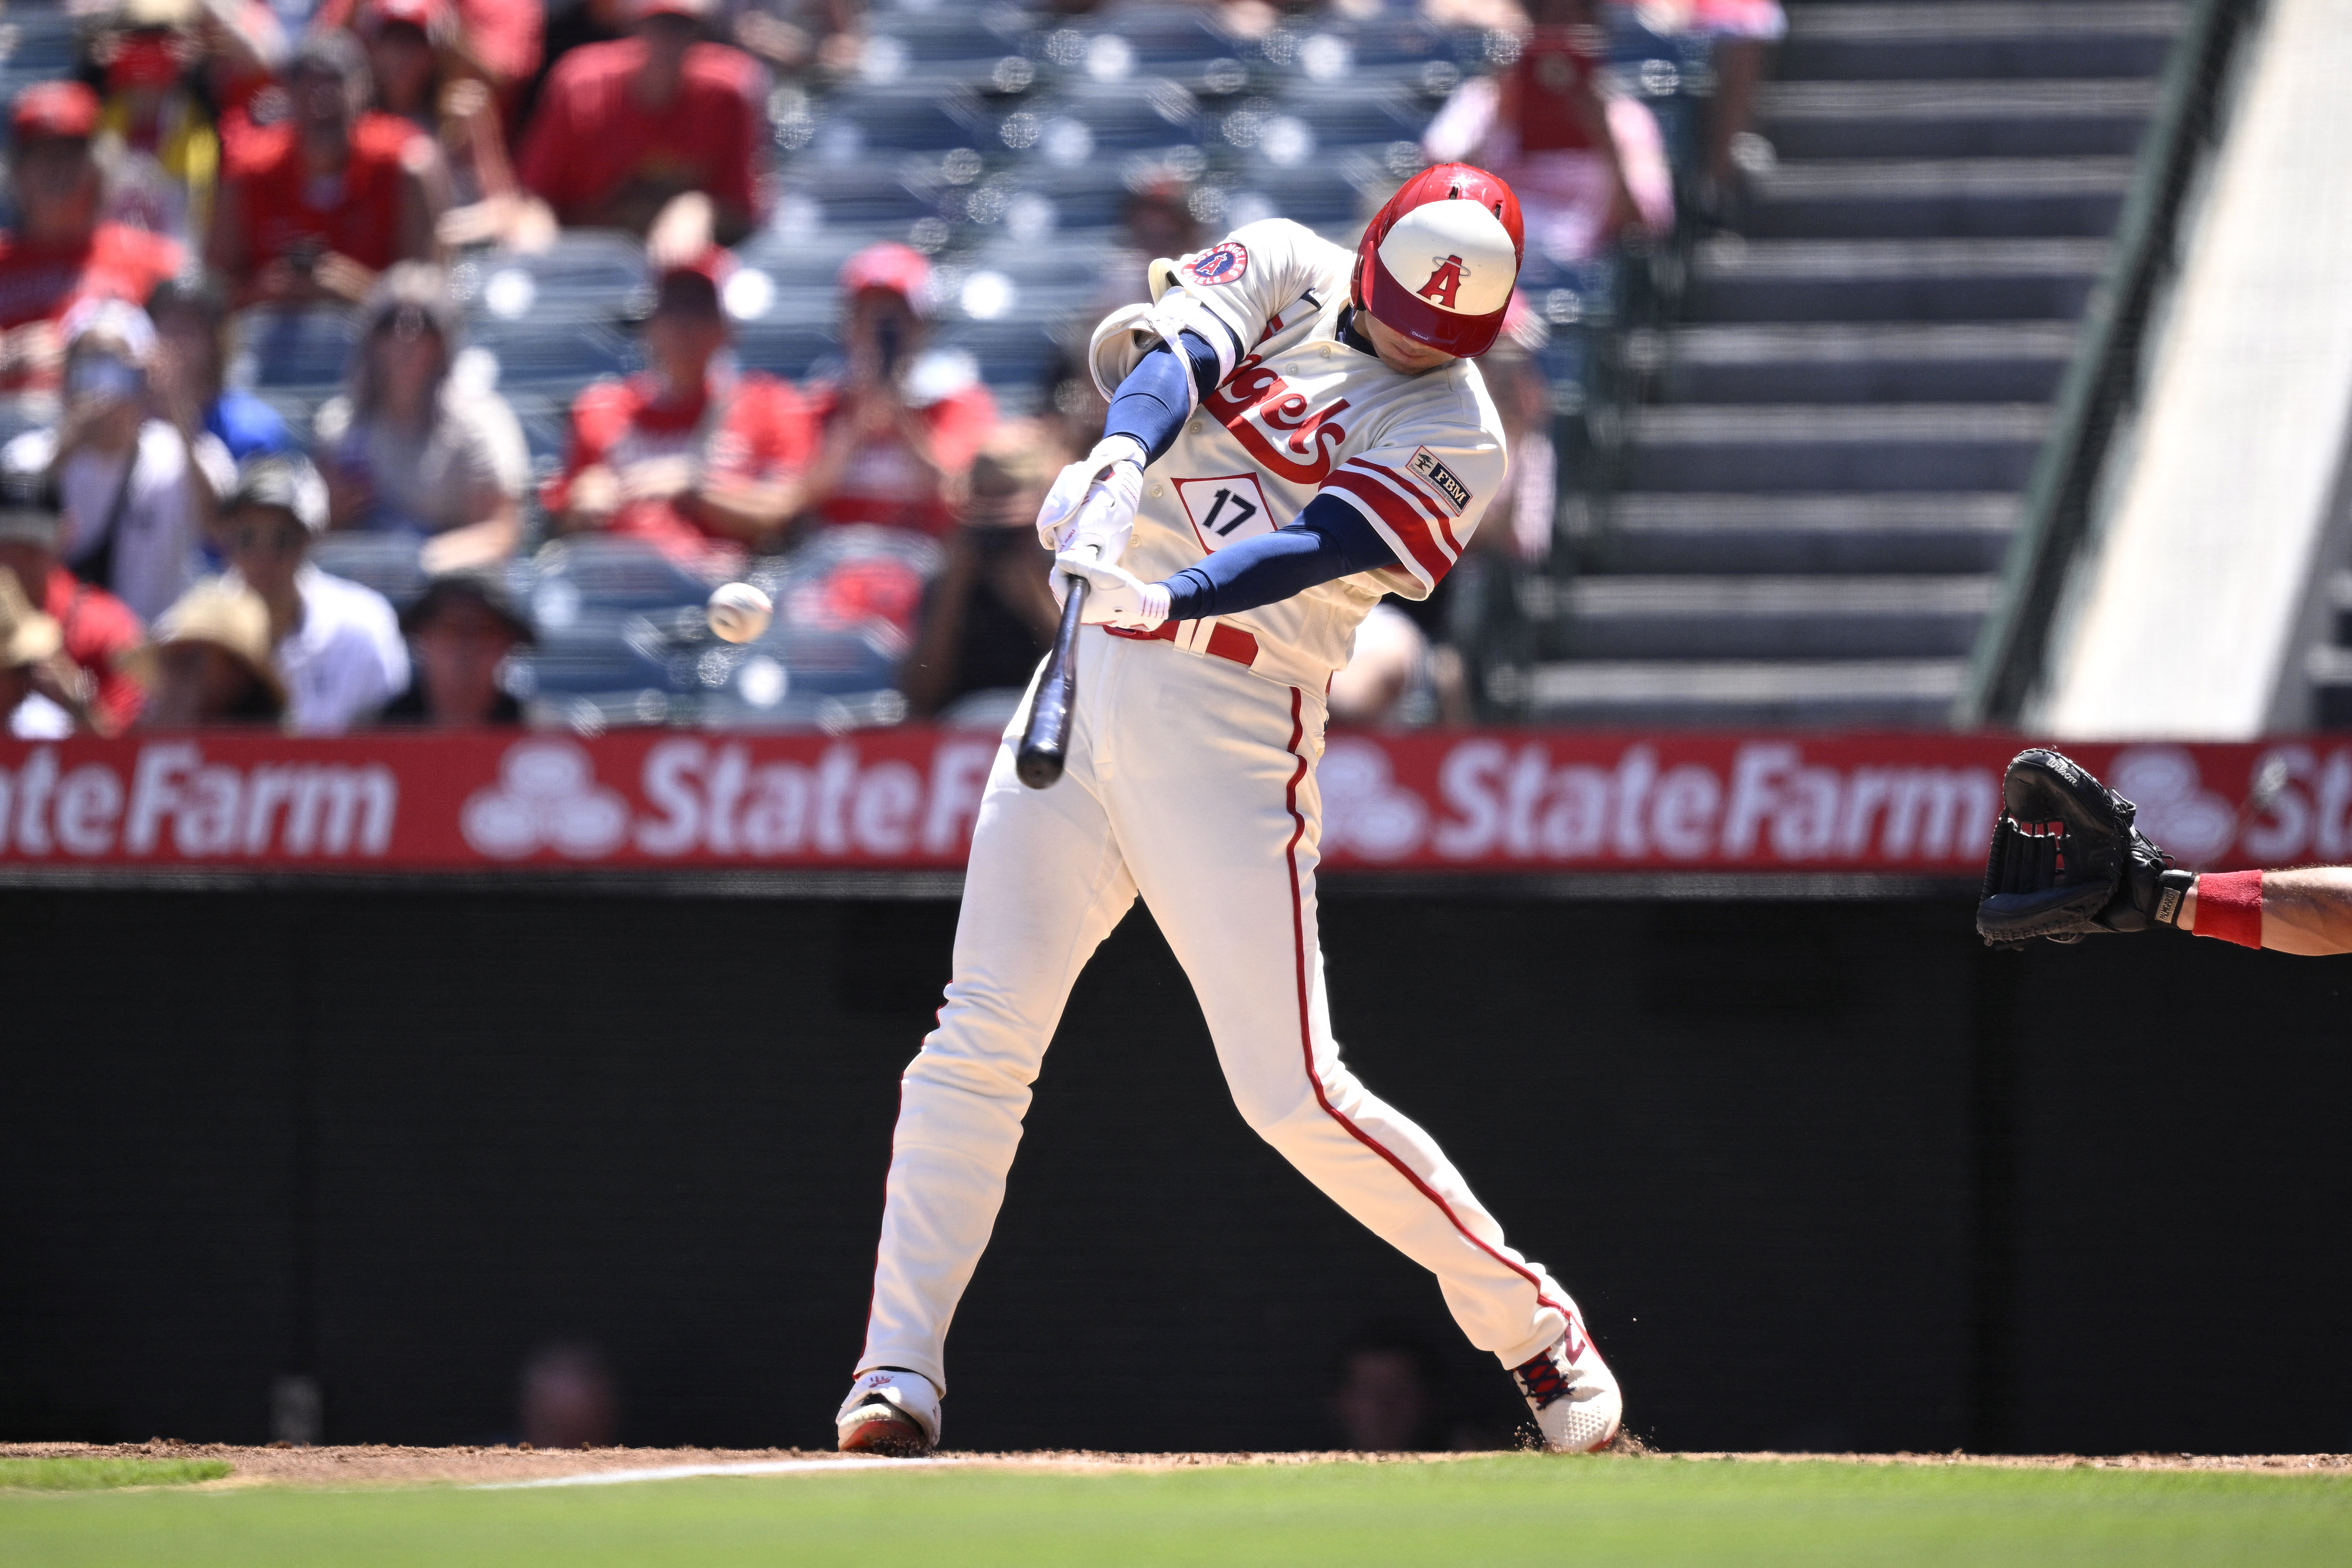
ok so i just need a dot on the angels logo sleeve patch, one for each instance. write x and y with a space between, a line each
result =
1219 264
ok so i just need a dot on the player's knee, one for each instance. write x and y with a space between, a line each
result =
1271 1110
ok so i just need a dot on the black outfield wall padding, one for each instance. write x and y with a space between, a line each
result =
1825 1176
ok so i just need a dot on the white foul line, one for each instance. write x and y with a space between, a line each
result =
679 1472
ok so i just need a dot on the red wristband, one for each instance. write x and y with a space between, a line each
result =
2230 907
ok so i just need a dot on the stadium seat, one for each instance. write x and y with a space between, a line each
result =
594 570
387 563
288 348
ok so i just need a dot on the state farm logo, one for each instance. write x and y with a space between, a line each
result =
547 797
2175 807
1365 810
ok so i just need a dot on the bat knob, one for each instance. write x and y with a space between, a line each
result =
1039 767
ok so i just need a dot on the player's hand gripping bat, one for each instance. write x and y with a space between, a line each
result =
1046 741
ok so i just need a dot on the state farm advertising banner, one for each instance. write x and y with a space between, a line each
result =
1481 802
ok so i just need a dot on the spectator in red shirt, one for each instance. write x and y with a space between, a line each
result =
98 628
624 130
314 207
693 455
497 40
59 252
901 427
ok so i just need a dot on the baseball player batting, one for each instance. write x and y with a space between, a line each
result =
1293 432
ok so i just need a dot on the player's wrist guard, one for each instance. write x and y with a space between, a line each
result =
2066 862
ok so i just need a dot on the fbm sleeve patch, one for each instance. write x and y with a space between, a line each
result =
1223 263
1425 463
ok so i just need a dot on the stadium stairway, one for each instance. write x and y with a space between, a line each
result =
1810 512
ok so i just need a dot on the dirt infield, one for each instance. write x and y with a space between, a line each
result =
387 1465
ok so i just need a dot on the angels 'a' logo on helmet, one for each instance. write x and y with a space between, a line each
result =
1445 280
1456 229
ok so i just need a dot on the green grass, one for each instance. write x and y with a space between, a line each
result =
1514 1510
97 1475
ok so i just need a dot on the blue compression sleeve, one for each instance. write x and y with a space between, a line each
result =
1150 404
1330 539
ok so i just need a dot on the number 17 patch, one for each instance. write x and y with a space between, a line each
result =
1225 510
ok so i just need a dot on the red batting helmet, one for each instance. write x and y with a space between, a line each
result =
1438 262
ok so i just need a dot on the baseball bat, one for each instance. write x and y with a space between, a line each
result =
1046 741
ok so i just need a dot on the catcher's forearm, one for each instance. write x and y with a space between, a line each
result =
2306 912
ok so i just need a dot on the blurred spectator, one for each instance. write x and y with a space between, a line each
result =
691 454
1585 162
60 253
95 629
1388 679
29 651
242 44
495 41
572 23
988 616
155 130
568 1399
460 636
1156 221
411 448
334 644
1742 34
315 207
136 493
625 129
900 427
209 661
1382 1402
422 74
189 375
1520 520
796 37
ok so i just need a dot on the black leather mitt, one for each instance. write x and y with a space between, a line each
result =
2066 861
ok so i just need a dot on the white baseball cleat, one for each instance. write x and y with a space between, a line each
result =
1573 1393
890 1411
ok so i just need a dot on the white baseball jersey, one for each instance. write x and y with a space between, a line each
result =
1301 413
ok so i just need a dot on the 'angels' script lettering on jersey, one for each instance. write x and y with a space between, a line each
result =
1225 510
1273 423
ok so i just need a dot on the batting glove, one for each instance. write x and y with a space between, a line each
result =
1110 478
1114 596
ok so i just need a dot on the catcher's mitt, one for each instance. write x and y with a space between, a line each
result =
2066 861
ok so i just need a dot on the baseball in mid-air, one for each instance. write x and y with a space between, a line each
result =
738 611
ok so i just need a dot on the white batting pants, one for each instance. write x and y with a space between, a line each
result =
1191 781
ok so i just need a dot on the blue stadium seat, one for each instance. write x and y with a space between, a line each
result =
389 563
901 119
557 354
595 572
846 604
587 273
302 347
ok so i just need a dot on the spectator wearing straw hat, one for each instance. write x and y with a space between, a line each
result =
29 642
60 252
901 427
334 644
461 634
95 629
692 454
208 662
